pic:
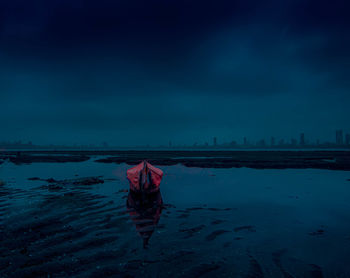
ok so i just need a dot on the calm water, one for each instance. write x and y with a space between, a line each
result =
213 222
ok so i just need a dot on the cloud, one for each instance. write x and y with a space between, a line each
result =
179 69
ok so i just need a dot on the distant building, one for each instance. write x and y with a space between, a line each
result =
261 143
294 142
272 141
215 142
339 139
170 145
245 141
347 139
302 139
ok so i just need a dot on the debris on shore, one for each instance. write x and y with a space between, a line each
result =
66 183
317 233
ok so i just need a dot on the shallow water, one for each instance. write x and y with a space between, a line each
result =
235 222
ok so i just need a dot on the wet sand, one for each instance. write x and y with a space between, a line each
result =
333 160
75 220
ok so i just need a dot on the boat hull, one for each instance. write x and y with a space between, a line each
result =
144 177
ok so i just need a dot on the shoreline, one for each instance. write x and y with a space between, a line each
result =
329 160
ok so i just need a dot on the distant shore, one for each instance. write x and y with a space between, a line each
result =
257 159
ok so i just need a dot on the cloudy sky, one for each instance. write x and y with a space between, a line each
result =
134 72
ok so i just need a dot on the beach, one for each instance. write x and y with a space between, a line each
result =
219 214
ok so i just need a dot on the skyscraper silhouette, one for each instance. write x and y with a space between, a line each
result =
347 139
339 139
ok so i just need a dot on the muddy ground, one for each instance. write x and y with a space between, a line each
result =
78 219
333 160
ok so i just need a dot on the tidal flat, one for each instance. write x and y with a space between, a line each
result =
216 215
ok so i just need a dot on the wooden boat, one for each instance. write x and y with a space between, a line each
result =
144 178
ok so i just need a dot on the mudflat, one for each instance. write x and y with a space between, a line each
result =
333 160
77 218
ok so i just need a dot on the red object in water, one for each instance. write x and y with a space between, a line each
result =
144 177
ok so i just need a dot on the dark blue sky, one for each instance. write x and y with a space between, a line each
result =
145 72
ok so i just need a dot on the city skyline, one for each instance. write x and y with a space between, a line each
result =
341 139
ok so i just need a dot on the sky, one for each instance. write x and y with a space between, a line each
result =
138 72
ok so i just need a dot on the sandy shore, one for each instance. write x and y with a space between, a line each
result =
333 160
78 219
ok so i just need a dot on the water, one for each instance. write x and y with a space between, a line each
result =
236 222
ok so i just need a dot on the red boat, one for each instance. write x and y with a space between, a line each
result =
144 177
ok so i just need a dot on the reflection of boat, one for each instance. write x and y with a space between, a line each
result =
144 177
145 211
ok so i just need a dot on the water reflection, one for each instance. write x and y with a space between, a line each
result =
145 211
